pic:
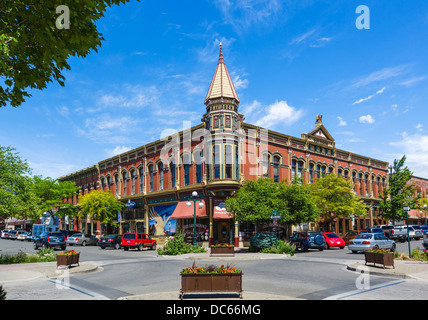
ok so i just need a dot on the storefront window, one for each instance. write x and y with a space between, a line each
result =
202 229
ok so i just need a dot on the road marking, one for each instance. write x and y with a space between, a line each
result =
92 294
357 292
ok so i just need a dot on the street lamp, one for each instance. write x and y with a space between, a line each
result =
194 198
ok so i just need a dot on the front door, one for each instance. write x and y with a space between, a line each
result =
223 232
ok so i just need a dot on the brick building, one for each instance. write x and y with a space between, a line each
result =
214 159
417 216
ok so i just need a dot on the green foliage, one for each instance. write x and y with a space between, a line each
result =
335 198
399 193
100 205
177 246
2 293
34 52
43 255
281 247
255 201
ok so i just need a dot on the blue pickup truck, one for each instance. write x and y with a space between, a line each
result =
49 240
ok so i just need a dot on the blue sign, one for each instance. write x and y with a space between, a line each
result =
130 204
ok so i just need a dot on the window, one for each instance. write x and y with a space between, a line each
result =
366 180
216 161
360 181
141 180
160 170
227 121
228 155
276 161
172 169
265 165
354 181
198 163
186 164
124 180
311 172
103 184
116 181
216 122
133 178
151 177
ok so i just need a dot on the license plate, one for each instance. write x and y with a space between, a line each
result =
104 241
128 241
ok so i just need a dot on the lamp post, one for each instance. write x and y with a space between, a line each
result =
194 198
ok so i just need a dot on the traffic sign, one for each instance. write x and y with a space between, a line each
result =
275 215
406 208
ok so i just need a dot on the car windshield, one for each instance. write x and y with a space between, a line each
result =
313 233
377 230
129 236
57 234
417 227
364 236
331 235
111 236
77 235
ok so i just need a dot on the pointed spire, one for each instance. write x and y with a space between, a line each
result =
221 85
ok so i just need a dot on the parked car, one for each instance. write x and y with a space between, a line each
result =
424 229
5 233
413 234
111 241
82 239
419 233
352 234
30 236
22 235
137 240
12 234
67 233
367 241
332 240
391 233
308 240
49 240
425 243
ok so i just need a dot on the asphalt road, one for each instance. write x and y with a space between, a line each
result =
312 275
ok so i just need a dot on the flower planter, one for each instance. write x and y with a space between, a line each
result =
220 250
67 260
386 259
211 282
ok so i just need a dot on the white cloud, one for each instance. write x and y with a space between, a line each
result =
366 119
415 147
370 97
419 127
303 37
117 150
130 97
279 113
412 81
380 75
342 123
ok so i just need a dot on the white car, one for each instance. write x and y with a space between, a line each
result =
367 241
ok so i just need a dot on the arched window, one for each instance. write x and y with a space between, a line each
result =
367 180
228 155
354 181
160 170
133 175
276 161
141 180
172 170
311 173
265 165
186 160
116 182
216 161
103 184
360 181
151 172
198 163
124 179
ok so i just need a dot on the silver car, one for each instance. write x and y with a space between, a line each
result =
367 241
81 239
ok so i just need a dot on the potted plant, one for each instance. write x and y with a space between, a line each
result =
67 258
380 256
211 279
222 249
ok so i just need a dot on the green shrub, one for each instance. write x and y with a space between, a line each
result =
262 240
44 255
177 246
281 247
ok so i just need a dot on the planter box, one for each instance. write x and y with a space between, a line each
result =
211 282
222 250
386 259
63 260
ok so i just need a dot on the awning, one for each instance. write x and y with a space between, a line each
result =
220 211
184 212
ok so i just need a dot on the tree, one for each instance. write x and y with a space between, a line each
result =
37 37
255 201
334 197
17 198
399 193
52 194
100 205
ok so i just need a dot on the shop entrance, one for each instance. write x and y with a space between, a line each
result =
223 231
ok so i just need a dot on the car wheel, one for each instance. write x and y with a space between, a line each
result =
393 247
354 251
102 247
376 247
303 247
117 246
35 246
321 249
126 248
63 248
84 243
153 246
326 246
44 246
140 247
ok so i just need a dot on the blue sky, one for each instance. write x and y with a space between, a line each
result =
289 60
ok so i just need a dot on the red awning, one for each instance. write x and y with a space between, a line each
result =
184 212
220 211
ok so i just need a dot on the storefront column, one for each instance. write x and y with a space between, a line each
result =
211 228
146 219
236 244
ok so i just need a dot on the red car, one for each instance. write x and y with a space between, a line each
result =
137 240
332 240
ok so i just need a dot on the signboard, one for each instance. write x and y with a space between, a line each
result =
275 215
406 208
130 204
